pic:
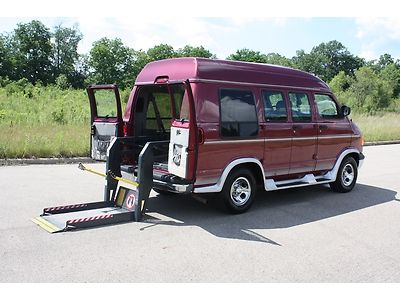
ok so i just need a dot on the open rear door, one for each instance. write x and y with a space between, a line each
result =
106 118
182 153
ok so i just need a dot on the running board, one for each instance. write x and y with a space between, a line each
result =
307 180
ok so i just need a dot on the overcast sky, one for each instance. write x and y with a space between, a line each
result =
366 35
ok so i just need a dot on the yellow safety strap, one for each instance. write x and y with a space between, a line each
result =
82 167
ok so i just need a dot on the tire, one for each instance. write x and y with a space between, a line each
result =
346 177
239 191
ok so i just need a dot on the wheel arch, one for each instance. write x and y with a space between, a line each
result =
253 164
352 152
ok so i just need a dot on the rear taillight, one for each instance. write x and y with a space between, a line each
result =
125 129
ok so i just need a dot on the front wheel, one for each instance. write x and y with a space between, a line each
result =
239 191
346 177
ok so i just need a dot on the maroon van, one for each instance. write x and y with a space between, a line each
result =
228 127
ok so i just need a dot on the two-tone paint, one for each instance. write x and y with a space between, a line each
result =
281 151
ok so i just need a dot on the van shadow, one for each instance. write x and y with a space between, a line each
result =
271 210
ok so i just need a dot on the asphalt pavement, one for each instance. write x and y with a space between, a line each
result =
307 234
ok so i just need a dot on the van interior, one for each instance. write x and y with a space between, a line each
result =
156 107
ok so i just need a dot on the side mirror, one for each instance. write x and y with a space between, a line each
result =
345 111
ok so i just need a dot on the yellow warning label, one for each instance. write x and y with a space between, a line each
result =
45 225
142 205
120 196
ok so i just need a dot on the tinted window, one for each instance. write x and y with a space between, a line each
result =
326 106
301 110
238 113
274 106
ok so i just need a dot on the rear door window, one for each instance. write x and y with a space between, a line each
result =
300 105
238 113
274 106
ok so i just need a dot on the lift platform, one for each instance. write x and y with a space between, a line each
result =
84 215
121 204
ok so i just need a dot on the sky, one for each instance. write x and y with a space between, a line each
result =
368 34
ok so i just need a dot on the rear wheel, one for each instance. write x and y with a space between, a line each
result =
346 177
239 191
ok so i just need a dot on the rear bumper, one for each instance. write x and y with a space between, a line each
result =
173 187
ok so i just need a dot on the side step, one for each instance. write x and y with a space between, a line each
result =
309 179
85 215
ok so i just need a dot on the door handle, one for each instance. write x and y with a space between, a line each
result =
323 126
295 127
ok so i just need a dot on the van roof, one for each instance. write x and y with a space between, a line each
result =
204 69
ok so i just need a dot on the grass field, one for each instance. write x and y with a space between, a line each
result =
49 122
380 127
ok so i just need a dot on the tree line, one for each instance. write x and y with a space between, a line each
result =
33 53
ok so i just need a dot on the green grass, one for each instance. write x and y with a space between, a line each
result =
24 141
49 122
380 127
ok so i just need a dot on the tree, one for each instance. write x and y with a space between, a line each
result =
368 92
5 59
189 51
391 74
277 59
327 59
248 55
112 62
341 83
161 51
65 51
31 43
141 59
309 62
385 60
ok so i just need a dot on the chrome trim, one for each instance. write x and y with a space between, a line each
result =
279 140
233 141
304 138
338 136
240 191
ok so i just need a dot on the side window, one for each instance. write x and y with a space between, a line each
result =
327 108
274 106
238 113
301 110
